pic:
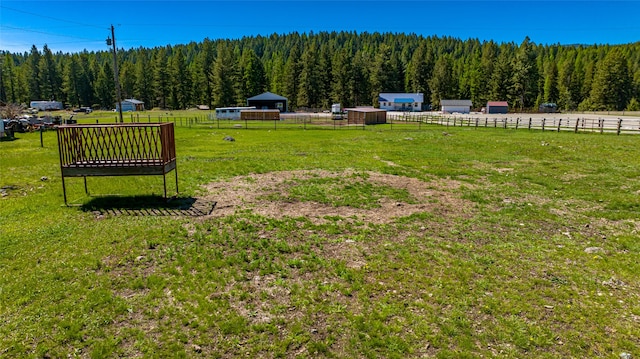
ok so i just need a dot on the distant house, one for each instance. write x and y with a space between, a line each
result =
366 115
459 106
401 101
497 107
131 104
269 101
46 105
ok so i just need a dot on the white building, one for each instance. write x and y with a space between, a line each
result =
401 101
455 106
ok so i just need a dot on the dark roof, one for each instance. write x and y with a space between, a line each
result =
267 96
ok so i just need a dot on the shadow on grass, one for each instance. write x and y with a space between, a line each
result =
148 206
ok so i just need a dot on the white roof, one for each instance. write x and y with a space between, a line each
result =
456 103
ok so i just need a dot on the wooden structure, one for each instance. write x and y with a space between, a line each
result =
132 149
497 107
366 115
271 115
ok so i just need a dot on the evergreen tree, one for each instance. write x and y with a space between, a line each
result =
72 80
341 76
161 78
105 87
180 81
292 71
551 93
310 82
612 83
48 76
524 76
143 89
127 79
253 74
34 74
442 83
8 81
223 77
500 81
382 75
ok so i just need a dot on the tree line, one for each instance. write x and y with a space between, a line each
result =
314 70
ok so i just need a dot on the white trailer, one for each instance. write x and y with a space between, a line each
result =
231 113
46 105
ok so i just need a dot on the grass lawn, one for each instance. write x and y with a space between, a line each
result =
372 243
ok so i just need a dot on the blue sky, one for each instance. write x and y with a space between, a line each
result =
72 26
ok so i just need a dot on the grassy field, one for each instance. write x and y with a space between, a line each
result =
369 243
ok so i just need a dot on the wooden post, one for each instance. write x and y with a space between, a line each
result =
577 122
517 122
543 121
529 123
601 125
41 140
559 123
619 125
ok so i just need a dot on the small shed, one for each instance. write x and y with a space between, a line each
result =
366 115
131 104
263 115
497 107
269 101
459 106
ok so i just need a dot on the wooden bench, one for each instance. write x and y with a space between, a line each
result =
132 149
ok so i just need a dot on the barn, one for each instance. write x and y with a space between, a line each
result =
366 115
452 106
269 101
497 107
131 104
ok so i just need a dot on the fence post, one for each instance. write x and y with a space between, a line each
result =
601 125
577 121
619 125
543 121
517 122
559 123
529 123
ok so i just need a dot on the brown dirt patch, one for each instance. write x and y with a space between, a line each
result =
256 192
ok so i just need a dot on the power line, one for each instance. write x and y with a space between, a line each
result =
45 33
54 18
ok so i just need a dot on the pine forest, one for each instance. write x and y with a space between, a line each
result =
315 70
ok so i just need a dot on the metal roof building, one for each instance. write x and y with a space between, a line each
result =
269 101
451 106
131 104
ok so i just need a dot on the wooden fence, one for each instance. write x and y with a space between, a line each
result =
405 120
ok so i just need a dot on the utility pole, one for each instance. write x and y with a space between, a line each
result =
112 41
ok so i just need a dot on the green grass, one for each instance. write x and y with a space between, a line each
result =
504 275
